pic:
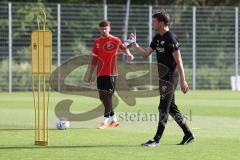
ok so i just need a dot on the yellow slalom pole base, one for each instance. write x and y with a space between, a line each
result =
41 143
41 116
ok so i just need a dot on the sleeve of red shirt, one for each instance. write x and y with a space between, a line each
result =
122 47
94 59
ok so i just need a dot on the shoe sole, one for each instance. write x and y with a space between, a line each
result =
114 126
102 128
150 145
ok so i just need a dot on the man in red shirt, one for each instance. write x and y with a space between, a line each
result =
104 57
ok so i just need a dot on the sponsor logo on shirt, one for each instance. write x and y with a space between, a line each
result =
110 46
160 49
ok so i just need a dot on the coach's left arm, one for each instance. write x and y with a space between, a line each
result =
178 59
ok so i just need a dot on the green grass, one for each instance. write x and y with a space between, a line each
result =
215 122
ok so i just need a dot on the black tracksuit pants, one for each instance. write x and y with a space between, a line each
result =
167 86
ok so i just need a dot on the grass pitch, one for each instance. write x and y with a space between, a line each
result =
215 122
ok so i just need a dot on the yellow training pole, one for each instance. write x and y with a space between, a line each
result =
41 44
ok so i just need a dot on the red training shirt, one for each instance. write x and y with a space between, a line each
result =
104 55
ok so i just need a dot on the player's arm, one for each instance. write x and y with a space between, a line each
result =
93 64
141 51
126 51
128 54
178 59
144 52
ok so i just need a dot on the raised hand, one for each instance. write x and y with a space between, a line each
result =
131 39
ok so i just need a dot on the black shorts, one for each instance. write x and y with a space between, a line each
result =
106 83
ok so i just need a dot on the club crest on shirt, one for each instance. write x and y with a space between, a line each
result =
98 45
162 43
110 46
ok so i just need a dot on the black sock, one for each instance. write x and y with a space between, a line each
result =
111 113
106 99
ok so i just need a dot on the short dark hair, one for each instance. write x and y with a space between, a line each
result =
162 17
104 23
